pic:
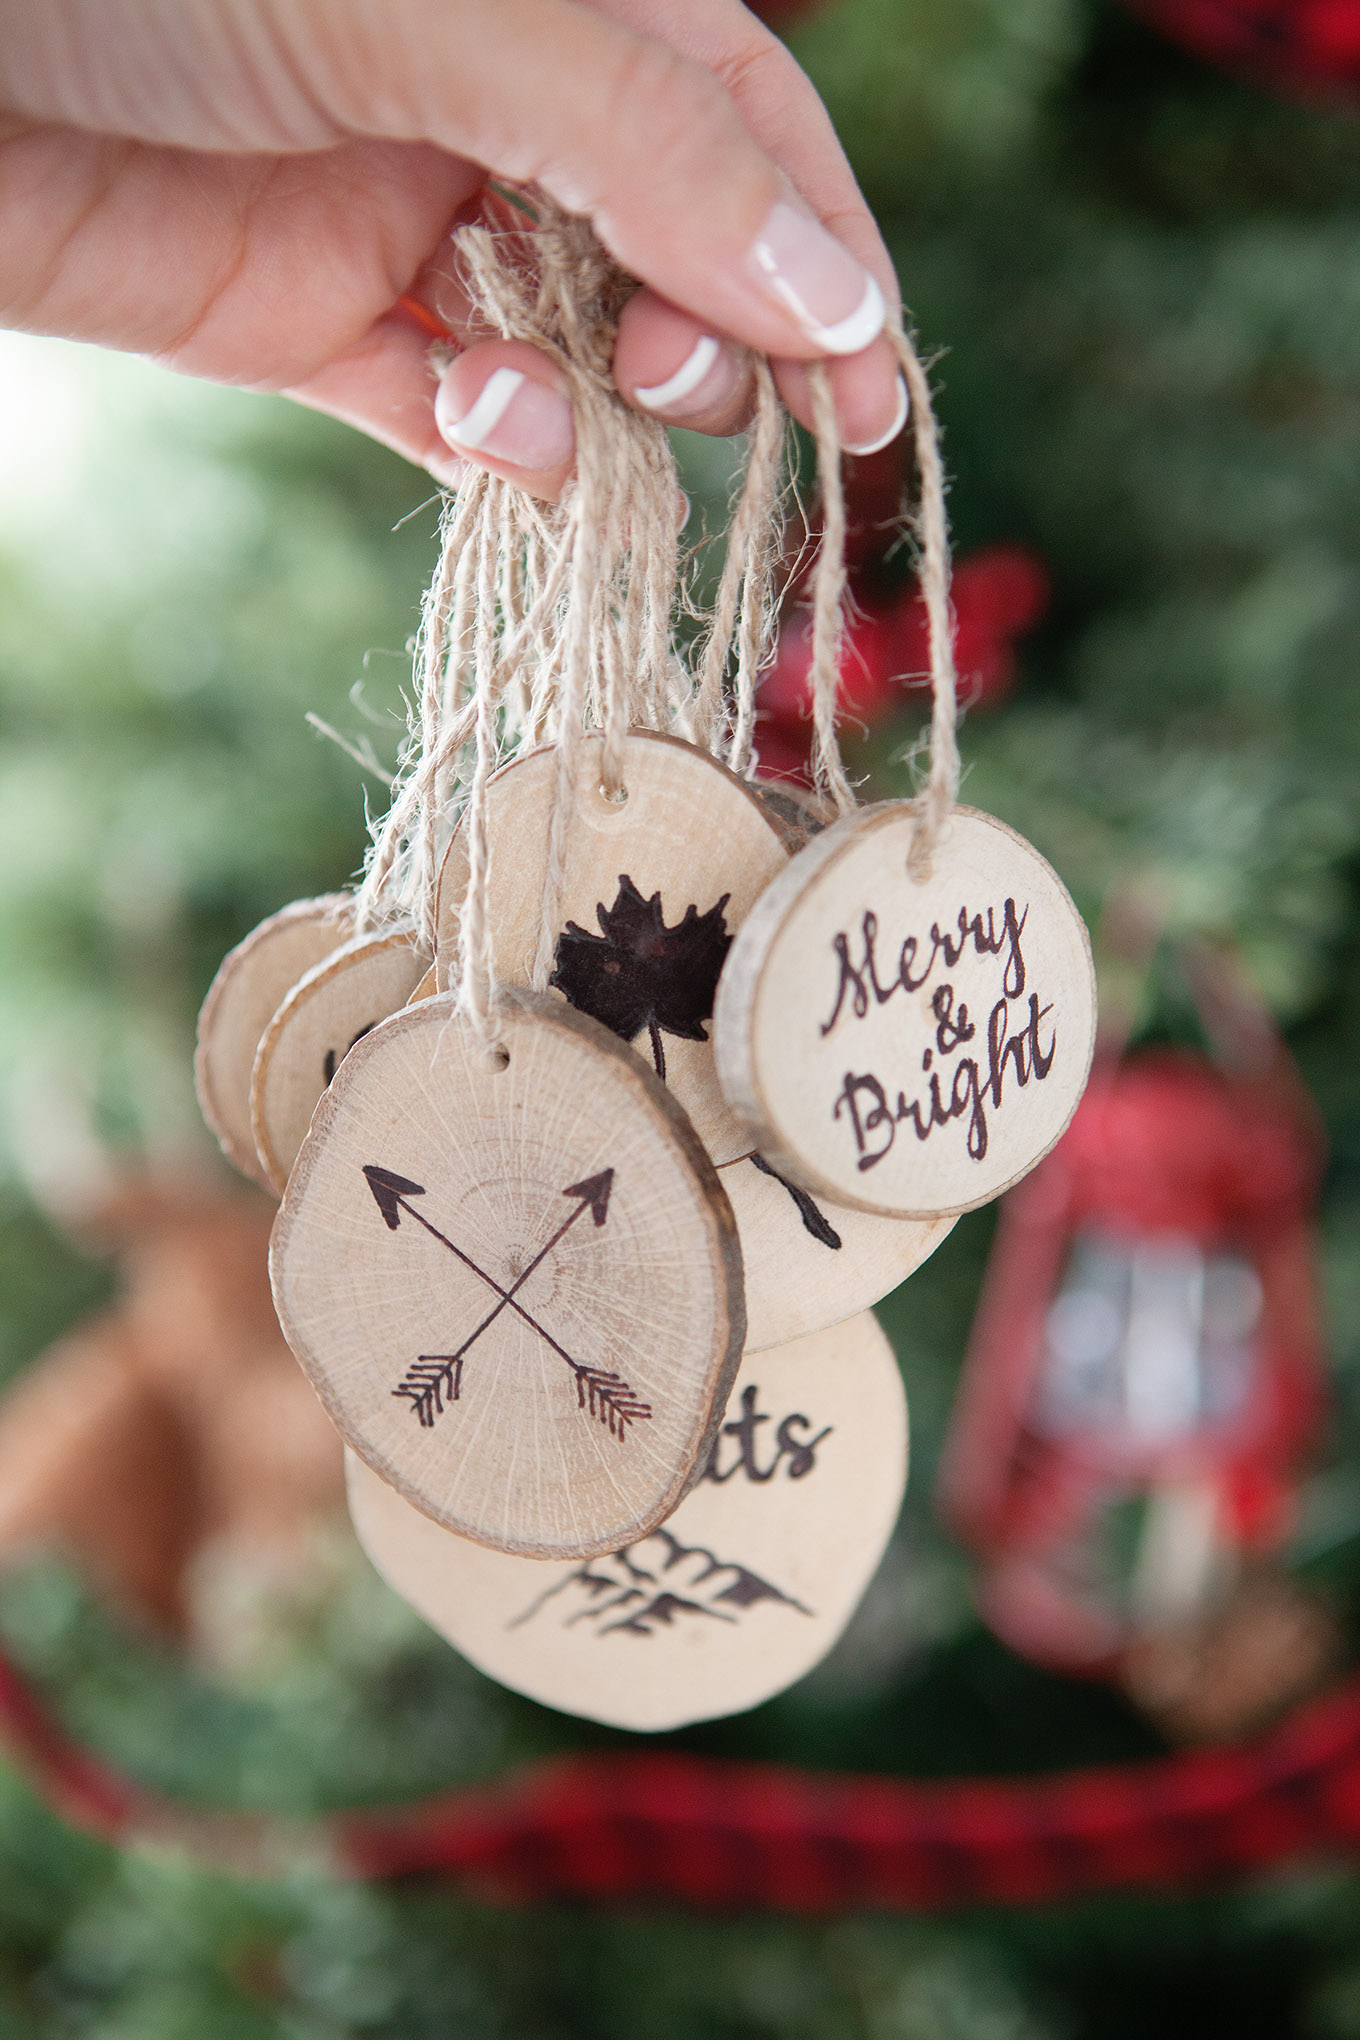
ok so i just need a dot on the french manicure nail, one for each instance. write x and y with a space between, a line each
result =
513 419
899 420
707 374
835 301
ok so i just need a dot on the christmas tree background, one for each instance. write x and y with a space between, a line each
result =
1144 280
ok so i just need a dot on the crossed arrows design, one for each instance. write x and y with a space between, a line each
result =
436 1379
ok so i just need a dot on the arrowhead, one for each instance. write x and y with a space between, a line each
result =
594 1191
388 1190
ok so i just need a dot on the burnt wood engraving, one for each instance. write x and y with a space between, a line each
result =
975 1084
655 1585
793 1449
435 1380
331 1062
637 973
814 1218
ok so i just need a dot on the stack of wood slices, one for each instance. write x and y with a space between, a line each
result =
589 1300
626 1085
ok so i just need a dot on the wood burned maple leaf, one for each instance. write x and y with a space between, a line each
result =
639 973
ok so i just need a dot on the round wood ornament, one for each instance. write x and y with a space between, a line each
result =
735 1596
250 983
810 1263
797 809
336 1003
517 1289
908 1046
654 886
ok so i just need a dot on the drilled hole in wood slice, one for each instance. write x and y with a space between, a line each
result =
736 1595
251 983
653 892
518 1293
908 1047
324 1016
809 1262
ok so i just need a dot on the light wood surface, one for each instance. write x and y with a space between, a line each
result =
810 1263
426 989
909 1047
738 1594
534 1337
689 831
252 980
331 1007
801 811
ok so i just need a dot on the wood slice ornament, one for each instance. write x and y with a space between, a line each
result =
251 983
513 1278
909 1044
334 1005
810 1263
654 885
737 1594
906 1020
797 809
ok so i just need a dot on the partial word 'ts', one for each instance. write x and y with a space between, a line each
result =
793 1449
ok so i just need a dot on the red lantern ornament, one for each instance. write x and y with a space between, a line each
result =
1145 1375
1307 46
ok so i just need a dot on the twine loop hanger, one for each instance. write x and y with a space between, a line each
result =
550 623
929 526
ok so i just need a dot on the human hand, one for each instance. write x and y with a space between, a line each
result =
244 189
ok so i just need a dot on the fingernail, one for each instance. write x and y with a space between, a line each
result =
900 419
514 419
834 300
705 378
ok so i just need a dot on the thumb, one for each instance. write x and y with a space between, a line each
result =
651 147
613 123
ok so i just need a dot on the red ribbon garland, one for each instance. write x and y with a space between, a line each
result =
713 1833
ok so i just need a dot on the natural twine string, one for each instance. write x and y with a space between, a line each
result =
930 527
547 622
746 605
931 523
562 635
828 600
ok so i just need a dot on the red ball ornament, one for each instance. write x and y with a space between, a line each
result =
1290 45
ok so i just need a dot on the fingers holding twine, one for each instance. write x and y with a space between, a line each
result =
550 621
